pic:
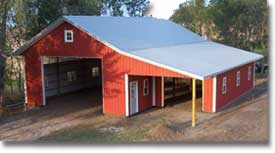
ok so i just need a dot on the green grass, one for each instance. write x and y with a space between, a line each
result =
90 134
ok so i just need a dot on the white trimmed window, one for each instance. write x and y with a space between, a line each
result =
68 36
249 73
71 76
224 85
145 87
238 78
95 72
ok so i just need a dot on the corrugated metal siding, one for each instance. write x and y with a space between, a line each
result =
114 66
232 90
208 95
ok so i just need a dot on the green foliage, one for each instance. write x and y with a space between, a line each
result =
136 7
238 23
192 14
31 16
34 15
241 23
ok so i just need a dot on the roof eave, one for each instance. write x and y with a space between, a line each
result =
231 68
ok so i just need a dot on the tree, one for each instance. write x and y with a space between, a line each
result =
136 7
241 23
4 10
193 15
35 15
113 7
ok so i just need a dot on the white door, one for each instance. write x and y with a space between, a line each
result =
133 97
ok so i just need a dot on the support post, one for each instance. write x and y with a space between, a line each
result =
193 102
202 99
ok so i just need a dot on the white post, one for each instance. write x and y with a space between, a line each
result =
214 94
126 95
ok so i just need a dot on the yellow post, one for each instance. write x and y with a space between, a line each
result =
202 100
193 102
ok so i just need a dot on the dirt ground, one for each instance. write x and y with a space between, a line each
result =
63 120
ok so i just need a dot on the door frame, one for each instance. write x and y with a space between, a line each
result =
137 103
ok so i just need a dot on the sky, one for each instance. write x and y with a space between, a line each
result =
164 8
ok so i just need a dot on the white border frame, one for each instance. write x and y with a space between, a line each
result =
238 78
214 94
145 94
249 72
66 38
126 95
137 104
224 84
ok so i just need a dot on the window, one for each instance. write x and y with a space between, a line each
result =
68 34
224 85
71 76
238 78
145 87
249 73
95 72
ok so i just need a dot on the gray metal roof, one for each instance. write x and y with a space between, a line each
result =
133 33
159 42
202 59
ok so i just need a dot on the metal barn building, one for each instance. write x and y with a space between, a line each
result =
131 62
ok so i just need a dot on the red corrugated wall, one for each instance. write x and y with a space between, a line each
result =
159 91
233 91
208 95
115 66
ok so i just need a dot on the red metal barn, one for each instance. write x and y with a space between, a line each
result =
130 60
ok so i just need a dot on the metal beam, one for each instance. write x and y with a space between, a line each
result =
193 102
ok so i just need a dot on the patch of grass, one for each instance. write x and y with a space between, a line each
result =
90 134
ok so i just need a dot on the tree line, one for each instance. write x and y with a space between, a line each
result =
239 23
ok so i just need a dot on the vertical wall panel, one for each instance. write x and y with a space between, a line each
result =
208 95
158 92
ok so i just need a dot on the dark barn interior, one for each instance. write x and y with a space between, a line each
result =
77 77
178 90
